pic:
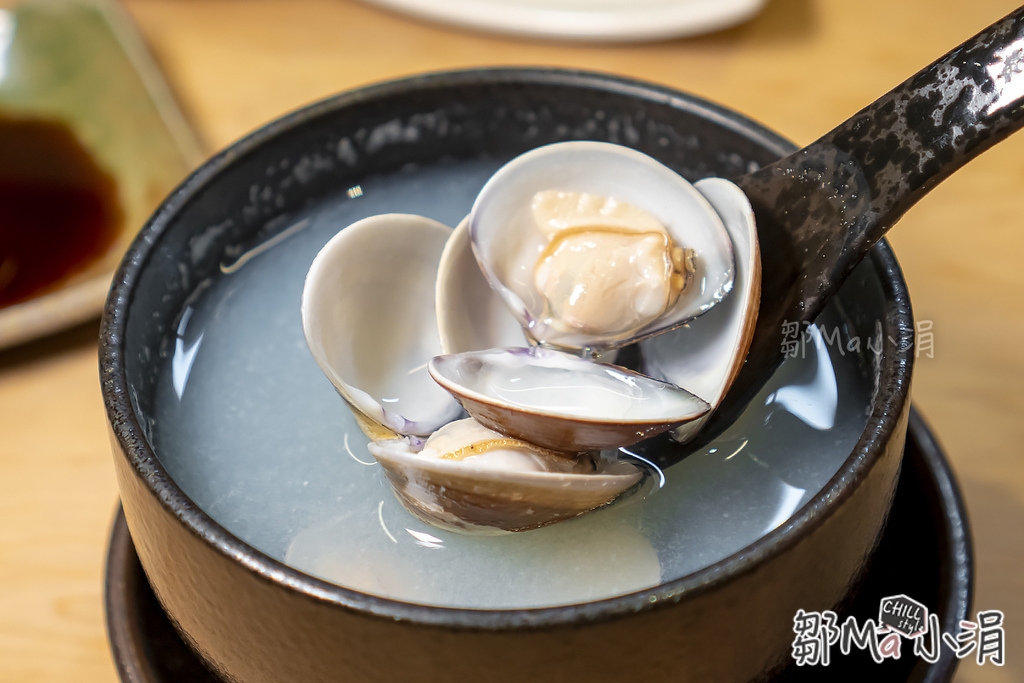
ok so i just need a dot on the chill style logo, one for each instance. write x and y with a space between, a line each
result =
903 615
903 623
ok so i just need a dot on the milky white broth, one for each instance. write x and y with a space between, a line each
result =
256 435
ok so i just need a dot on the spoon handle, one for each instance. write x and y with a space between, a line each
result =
822 208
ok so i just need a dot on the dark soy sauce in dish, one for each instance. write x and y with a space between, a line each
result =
59 210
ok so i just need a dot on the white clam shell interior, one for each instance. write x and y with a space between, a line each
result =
369 320
556 384
706 354
393 295
563 402
507 243
470 314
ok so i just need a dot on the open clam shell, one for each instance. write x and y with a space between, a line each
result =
470 314
461 496
369 320
706 354
508 242
563 402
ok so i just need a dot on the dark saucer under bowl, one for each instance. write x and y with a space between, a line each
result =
925 553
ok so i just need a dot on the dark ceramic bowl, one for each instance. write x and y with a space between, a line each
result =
253 618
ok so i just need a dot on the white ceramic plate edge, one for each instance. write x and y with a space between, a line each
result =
53 311
629 21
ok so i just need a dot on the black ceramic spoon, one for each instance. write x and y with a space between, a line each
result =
822 208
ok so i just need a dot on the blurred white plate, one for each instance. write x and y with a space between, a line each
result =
597 20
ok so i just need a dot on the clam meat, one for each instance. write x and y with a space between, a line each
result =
593 246
571 251
609 268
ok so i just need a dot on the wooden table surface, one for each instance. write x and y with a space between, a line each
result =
800 67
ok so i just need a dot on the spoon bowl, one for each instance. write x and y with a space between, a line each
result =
821 209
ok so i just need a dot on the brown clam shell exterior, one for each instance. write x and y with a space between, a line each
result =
556 429
477 499
563 433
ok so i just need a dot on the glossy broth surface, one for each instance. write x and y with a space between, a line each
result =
254 433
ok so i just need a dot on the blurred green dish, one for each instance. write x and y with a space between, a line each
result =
84 64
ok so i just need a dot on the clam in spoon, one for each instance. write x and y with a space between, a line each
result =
369 319
821 209
818 212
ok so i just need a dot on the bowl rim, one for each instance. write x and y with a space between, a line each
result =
893 386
